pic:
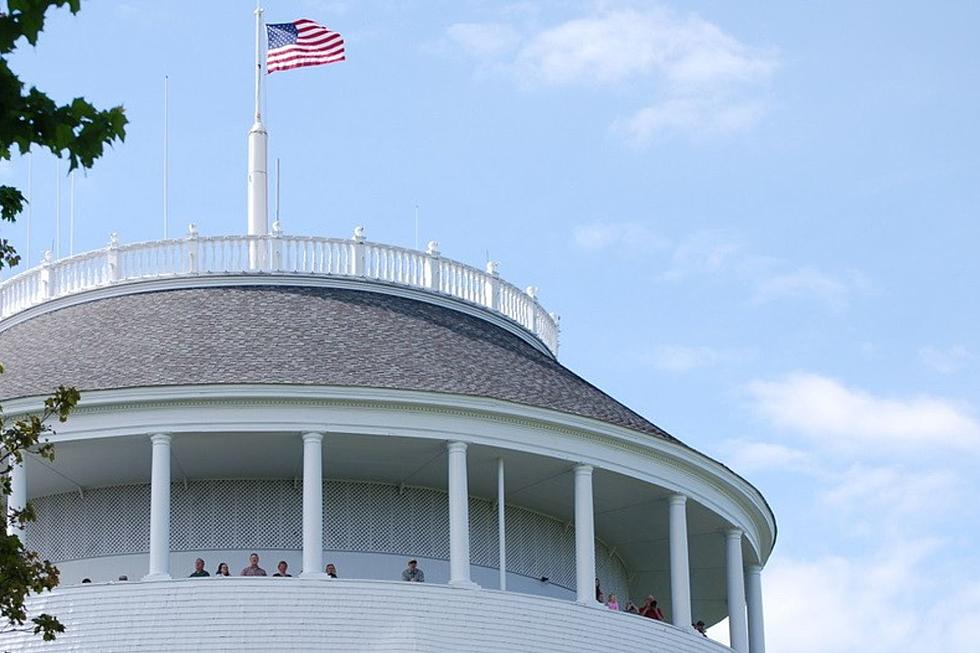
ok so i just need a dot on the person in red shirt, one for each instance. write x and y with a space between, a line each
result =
651 610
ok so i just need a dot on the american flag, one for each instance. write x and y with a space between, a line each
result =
302 43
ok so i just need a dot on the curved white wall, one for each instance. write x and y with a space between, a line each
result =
259 614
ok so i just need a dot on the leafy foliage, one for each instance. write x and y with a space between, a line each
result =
22 571
76 130
79 132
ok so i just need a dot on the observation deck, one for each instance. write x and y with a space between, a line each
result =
316 399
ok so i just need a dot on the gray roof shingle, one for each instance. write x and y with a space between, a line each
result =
291 335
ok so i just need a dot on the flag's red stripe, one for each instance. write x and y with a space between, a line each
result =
288 54
306 48
312 28
326 58
302 65
319 41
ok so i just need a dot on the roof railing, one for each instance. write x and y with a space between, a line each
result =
279 254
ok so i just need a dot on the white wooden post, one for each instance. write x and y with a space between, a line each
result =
312 504
160 509
737 628
501 525
459 517
584 536
112 258
430 270
753 595
193 248
680 571
17 499
491 286
357 252
276 246
532 311
47 276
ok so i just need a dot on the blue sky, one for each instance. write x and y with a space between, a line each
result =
758 221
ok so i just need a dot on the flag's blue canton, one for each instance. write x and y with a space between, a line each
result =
281 34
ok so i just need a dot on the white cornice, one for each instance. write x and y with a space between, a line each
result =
373 411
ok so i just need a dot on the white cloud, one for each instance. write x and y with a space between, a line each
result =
852 419
701 116
887 501
703 81
751 456
615 46
707 251
897 598
681 358
721 255
630 236
858 599
809 281
945 361
485 39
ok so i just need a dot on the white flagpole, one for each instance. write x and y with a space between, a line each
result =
258 61
258 184
166 154
30 204
71 213
57 209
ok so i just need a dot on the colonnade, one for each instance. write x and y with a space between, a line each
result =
743 583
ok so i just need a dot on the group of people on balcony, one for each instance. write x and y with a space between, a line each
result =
253 569
412 573
649 608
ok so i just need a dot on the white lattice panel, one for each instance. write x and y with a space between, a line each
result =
268 514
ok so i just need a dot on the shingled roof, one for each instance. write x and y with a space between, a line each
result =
291 335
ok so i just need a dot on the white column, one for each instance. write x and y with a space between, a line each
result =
737 629
459 517
753 595
501 524
160 509
584 536
17 499
680 571
312 504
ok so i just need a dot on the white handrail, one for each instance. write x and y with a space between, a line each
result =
276 253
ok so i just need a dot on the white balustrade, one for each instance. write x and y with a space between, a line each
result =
279 254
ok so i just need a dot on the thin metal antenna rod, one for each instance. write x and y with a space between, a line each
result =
278 177
71 213
30 204
166 155
57 209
